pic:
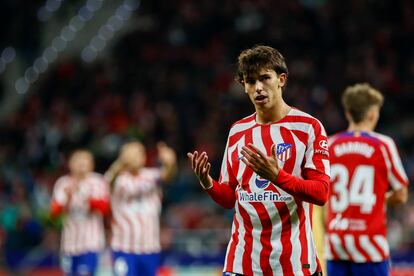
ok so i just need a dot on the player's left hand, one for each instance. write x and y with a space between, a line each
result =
166 155
265 166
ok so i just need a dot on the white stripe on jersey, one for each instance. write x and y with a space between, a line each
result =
274 240
369 248
327 248
136 206
395 157
224 177
382 243
352 250
241 241
337 246
83 231
295 239
241 127
312 254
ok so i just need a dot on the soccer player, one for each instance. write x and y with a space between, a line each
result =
366 174
136 207
82 197
275 167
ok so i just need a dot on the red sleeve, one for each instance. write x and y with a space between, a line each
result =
314 189
56 209
223 194
100 205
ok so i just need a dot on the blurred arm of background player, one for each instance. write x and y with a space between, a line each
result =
397 197
168 160
166 156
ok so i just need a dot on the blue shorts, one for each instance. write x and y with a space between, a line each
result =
127 264
342 268
83 264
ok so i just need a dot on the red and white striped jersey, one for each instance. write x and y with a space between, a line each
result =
271 231
136 208
364 166
83 228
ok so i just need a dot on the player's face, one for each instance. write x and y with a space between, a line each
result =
265 88
81 163
133 156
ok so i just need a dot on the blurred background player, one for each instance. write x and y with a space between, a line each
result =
275 167
82 197
366 175
136 208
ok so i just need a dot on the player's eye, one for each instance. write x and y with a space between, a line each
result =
264 78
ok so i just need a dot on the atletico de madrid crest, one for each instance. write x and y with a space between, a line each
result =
283 151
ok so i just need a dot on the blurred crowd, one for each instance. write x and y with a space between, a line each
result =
172 80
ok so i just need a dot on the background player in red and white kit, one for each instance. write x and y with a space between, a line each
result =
136 208
83 197
366 175
275 166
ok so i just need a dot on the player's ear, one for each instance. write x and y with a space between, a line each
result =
282 79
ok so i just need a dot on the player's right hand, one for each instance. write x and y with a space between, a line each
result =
201 168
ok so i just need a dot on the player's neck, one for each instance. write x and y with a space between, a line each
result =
271 115
79 176
134 171
363 126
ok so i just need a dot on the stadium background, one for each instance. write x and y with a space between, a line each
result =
94 73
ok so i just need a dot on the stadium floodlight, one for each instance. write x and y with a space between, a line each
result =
132 4
98 43
123 12
105 32
41 64
77 23
85 13
21 86
68 33
31 75
115 22
50 54
59 44
94 5
8 54
89 54
46 11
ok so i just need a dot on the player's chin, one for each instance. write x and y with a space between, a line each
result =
261 104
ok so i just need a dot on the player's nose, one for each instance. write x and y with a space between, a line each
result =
259 86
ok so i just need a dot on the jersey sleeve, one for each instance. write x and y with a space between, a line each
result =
99 199
59 195
223 191
396 174
317 151
100 189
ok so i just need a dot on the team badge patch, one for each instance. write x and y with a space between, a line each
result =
283 151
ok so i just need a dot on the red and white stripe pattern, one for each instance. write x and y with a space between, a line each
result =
83 231
272 237
353 234
136 208
356 248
